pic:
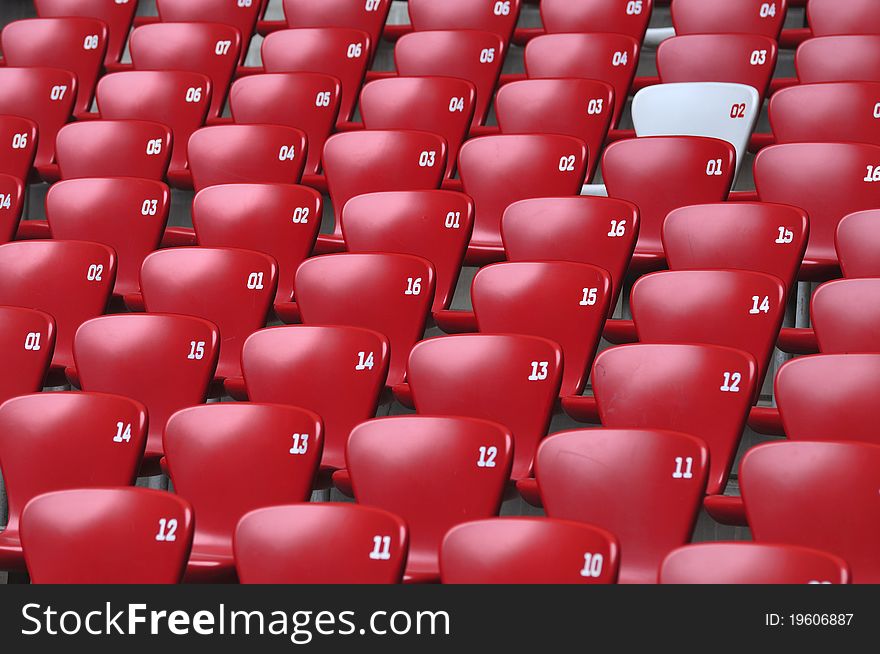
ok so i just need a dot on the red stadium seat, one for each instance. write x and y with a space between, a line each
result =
828 17
757 236
59 441
378 160
819 495
240 15
738 58
562 301
611 16
337 372
12 194
839 111
106 536
354 14
342 53
813 409
473 55
577 107
280 220
20 136
644 486
435 225
113 148
320 544
486 15
176 99
74 44
236 154
117 15
388 293
857 242
830 59
211 49
631 385
528 551
496 171
27 340
725 17
511 379
126 214
164 361
595 230
609 58
662 173
442 105
70 280
274 451
306 101
43 95
844 316
232 288
432 488
752 563
828 181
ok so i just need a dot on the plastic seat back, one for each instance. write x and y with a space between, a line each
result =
12 195
240 15
107 536
27 340
609 58
829 58
164 361
306 101
472 55
714 387
20 136
435 225
844 316
280 220
854 17
644 486
117 16
365 16
819 495
857 242
577 107
444 471
486 15
126 214
231 288
211 49
381 160
388 293
70 280
236 154
512 379
662 173
341 52
273 449
612 16
585 229
177 99
442 105
752 563
528 551
723 17
114 148
320 544
43 95
74 44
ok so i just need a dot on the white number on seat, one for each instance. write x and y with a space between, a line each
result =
32 341
566 163
618 228
502 8
764 306
594 106
539 370
354 51
94 272
758 57
5 200
487 456
872 174
167 528
322 99
413 286
365 361
456 104
19 141
245 3
713 167
372 5
154 146
427 158
57 92
91 42
634 7
785 235
255 281
589 298
767 10
731 382
300 444
593 562
453 220
687 463
196 350
149 207
194 94
301 215
287 153
487 55
123 432
222 48
381 548
877 110
619 58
